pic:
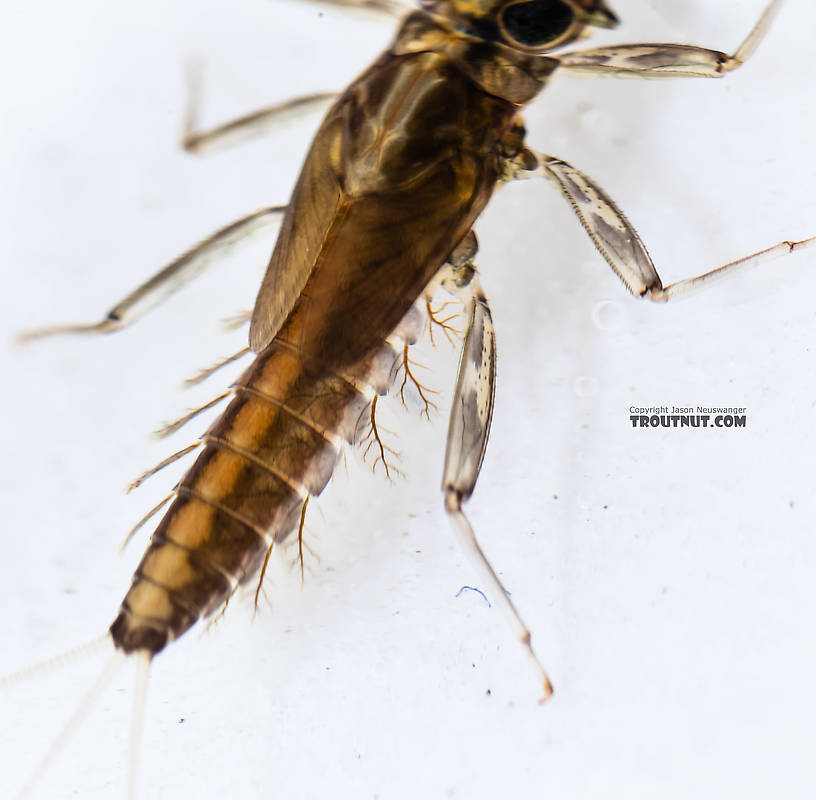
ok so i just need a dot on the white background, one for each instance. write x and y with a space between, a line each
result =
671 585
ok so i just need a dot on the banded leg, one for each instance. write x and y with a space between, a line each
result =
650 60
467 439
177 274
618 241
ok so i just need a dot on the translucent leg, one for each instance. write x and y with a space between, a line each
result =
467 439
177 274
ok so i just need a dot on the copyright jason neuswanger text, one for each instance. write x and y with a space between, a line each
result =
688 416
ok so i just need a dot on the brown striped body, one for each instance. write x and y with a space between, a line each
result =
403 164
277 443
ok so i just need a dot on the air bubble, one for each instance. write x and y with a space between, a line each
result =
585 386
590 119
608 316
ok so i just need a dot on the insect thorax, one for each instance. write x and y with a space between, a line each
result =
494 67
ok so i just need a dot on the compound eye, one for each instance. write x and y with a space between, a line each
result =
538 23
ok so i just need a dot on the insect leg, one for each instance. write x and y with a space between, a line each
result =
257 123
390 7
618 241
170 279
467 439
668 60
247 126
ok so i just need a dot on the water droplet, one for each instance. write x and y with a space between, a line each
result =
608 315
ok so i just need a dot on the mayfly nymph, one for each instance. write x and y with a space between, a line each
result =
404 163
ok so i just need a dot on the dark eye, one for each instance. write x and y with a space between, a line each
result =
537 23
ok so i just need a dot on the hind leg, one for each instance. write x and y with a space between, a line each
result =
468 431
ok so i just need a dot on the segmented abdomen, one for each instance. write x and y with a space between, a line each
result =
277 442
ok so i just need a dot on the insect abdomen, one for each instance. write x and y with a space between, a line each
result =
277 443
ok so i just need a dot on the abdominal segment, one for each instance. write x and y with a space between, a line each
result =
276 444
